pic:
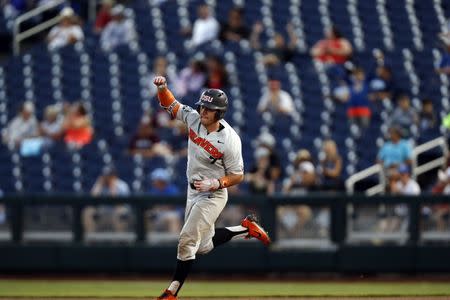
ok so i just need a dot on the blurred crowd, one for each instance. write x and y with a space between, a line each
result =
362 91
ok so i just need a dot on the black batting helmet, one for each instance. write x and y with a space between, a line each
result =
214 99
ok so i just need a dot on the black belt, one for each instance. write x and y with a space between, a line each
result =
192 185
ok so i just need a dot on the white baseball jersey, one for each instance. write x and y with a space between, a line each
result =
210 155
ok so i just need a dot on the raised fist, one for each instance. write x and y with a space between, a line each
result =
160 81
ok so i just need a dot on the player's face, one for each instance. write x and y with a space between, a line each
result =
207 116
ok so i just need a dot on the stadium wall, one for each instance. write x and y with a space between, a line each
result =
78 256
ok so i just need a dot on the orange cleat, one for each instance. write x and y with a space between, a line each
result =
167 295
255 230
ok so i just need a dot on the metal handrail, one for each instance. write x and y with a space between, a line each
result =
435 163
373 170
18 37
416 170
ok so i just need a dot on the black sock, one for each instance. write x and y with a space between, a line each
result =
181 272
223 235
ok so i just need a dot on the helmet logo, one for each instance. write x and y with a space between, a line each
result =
206 98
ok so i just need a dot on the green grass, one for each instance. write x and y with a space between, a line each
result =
120 288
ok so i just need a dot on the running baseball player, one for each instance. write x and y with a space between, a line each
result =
214 163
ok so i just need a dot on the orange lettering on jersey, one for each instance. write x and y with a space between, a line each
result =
205 144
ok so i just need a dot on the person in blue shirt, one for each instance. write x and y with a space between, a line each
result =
396 151
165 219
161 185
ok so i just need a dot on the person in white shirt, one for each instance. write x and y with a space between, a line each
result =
406 185
67 32
119 31
23 126
276 100
206 27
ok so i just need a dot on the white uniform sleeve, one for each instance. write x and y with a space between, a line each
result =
187 115
232 159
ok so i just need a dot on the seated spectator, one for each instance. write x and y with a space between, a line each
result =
440 213
234 30
259 177
145 141
23 126
107 184
206 27
277 52
190 79
77 127
382 86
103 15
304 177
427 116
357 97
267 141
67 32
50 129
165 218
396 151
333 49
331 165
404 116
161 68
275 99
405 185
119 31
217 77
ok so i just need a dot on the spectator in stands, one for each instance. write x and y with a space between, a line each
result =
103 15
440 213
267 141
357 97
334 49
260 177
77 127
161 185
304 177
277 51
108 184
404 116
331 166
427 116
161 68
396 151
145 141
382 86
166 218
23 126
51 128
217 77
67 32
275 99
119 31
405 185
234 30
191 78
206 27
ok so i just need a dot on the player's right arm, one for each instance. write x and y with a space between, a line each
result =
165 96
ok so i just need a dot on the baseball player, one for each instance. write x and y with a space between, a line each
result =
214 163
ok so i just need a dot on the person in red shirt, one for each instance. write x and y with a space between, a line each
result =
333 49
78 130
103 15
217 77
